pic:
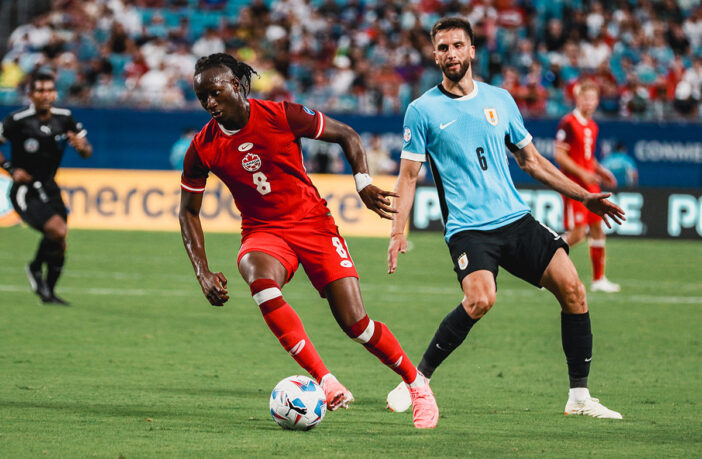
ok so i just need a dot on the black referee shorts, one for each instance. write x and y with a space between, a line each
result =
524 248
36 208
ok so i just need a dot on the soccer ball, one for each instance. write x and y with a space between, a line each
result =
298 403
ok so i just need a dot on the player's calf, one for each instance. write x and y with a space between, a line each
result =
286 325
380 341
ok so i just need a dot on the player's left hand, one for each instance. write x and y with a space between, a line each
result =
76 141
598 203
377 200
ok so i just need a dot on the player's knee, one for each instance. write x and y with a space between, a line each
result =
576 236
478 305
57 233
361 331
574 296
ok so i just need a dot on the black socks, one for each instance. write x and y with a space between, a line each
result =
52 253
576 337
450 334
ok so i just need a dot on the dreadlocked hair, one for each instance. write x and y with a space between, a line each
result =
240 70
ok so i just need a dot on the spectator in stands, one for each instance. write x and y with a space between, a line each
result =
209 43
378 156
302 38
11 74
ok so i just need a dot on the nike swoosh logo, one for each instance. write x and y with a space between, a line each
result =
587 360
444 126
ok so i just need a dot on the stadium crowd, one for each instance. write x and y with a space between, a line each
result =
366 56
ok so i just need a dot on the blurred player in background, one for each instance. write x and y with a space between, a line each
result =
462 127
622 166
253 146
575 154
38 136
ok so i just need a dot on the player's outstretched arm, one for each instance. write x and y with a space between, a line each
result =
534 164
80 142
214 285
406 184
350 142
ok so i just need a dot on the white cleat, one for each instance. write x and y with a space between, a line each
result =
399 399
590 407
604 285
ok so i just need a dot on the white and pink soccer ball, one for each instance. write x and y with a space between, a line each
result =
298 403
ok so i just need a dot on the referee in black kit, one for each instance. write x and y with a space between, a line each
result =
38 135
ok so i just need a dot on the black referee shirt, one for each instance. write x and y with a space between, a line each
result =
38 146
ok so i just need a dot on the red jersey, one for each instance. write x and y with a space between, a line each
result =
580 136
261 163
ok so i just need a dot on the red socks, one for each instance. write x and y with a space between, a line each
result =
380 341
597 257
287 327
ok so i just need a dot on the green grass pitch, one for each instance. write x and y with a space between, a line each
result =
141 366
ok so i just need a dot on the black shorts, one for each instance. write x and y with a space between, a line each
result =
524 248
36 208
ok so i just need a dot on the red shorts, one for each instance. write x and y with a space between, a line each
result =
316 243
576 214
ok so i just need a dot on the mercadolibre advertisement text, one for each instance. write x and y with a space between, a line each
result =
149 200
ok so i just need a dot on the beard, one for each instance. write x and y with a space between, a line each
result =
456 75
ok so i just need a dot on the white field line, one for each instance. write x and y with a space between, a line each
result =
387 285
397 296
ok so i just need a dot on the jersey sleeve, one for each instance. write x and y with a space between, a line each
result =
6 129
564 134
414 136
304 122
519 137
195 173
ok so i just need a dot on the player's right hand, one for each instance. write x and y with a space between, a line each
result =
398 244
214 286
20 175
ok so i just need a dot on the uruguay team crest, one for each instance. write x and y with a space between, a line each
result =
463 261
251 162
491 115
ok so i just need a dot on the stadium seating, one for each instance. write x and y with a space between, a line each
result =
372 57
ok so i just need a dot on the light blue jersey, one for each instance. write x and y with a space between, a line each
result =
464 140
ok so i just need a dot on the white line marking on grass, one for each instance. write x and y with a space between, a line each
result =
664 299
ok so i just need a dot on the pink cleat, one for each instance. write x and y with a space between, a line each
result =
337 395
425 413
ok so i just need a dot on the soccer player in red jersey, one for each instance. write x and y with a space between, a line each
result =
253 146
575 146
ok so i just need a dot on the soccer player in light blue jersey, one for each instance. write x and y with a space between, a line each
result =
463 128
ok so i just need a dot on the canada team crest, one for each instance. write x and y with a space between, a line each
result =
251 162
491 115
